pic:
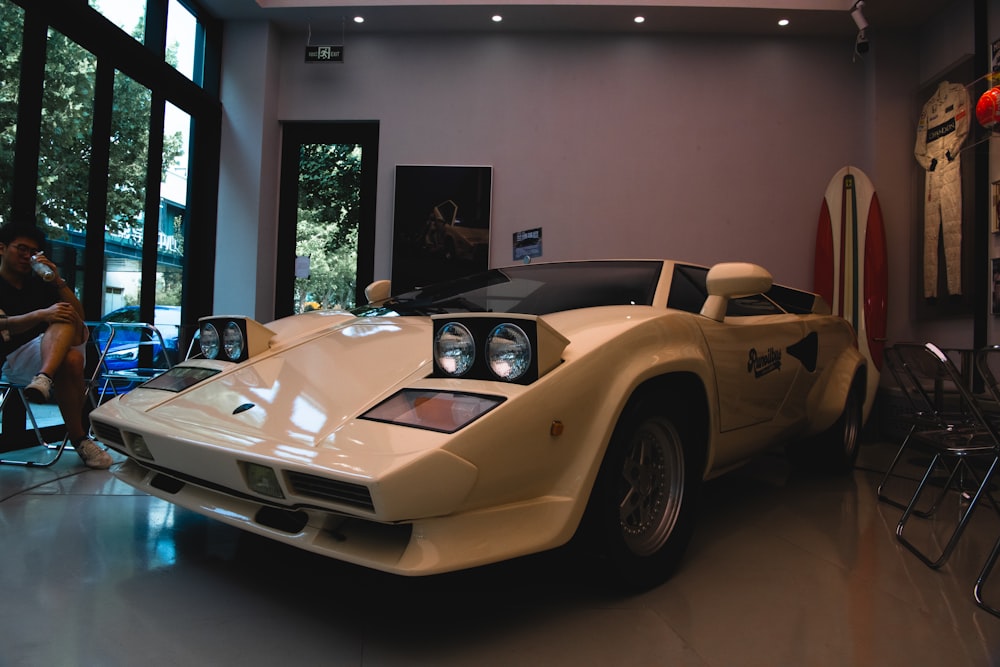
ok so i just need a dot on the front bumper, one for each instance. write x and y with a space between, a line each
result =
419 547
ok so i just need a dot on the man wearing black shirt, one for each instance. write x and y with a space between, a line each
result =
42 334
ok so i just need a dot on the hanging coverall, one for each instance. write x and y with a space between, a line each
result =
943 127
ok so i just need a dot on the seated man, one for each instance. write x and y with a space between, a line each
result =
42 334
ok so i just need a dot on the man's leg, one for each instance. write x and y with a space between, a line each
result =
69 384
59 338
63 360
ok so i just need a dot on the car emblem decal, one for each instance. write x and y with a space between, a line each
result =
806 351
760 364
243 408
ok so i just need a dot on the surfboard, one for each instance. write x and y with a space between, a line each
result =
851 270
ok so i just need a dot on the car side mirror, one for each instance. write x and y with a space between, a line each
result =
378 291
732 280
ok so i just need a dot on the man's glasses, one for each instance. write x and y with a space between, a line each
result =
25 250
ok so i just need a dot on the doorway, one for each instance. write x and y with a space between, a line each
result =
326 215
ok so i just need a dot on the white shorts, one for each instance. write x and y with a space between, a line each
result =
24 363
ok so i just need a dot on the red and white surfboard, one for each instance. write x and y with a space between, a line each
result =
851 270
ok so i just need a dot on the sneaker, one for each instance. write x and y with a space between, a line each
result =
92 454
39 390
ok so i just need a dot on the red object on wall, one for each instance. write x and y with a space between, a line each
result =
988 107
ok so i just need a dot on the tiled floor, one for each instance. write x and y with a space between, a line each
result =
786 568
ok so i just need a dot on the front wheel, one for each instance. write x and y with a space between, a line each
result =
644 501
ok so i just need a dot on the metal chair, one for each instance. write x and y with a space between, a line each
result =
7 390
135 353
987 360
932 401
967 457
97 348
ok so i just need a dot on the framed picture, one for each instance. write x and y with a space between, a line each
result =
441 223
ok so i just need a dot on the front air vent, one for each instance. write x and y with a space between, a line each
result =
331 490
108 434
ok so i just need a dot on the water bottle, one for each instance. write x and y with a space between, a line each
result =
47 274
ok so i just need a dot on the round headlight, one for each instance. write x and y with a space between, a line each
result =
232 341
454 349
209 341
508 351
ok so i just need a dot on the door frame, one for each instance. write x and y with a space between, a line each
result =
293 135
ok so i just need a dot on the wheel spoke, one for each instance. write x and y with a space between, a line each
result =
652 479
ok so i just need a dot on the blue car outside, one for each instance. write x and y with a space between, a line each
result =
123 355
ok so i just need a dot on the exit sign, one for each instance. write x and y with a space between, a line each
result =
324 54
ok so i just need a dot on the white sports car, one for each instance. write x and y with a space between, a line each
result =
497 415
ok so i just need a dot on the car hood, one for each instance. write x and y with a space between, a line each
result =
302 392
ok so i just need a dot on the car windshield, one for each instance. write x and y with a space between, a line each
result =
536 289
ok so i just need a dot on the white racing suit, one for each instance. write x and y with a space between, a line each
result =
943 127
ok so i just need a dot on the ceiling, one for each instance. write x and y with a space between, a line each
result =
745 17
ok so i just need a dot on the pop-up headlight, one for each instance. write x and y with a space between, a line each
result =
232 338
486 346
454 349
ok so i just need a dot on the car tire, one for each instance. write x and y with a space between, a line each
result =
835 450
644 502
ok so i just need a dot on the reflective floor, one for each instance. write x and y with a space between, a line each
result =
786 568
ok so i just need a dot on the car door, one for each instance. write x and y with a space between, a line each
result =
758 354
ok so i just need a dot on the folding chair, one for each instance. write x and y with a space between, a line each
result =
135 352
933 404
968 456
56 450
17 390
987 360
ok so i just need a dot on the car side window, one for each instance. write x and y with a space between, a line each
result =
687 288
756 304
688 293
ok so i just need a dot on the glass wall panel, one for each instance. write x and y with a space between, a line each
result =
64 152
129 15
182 39
173 215
11 35
128 152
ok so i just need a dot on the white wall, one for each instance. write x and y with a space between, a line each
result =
703 149
616 146
249 173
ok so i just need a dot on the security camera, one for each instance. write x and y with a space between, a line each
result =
861 45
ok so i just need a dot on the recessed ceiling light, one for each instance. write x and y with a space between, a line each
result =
783 22
639 19
359 19
497 18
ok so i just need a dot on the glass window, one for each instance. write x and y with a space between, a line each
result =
11 34
129 149
182 39
129 15
173 207
64 152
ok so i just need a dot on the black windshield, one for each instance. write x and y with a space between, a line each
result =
534 289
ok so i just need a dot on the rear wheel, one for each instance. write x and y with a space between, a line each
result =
644 501
838 446
835 450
